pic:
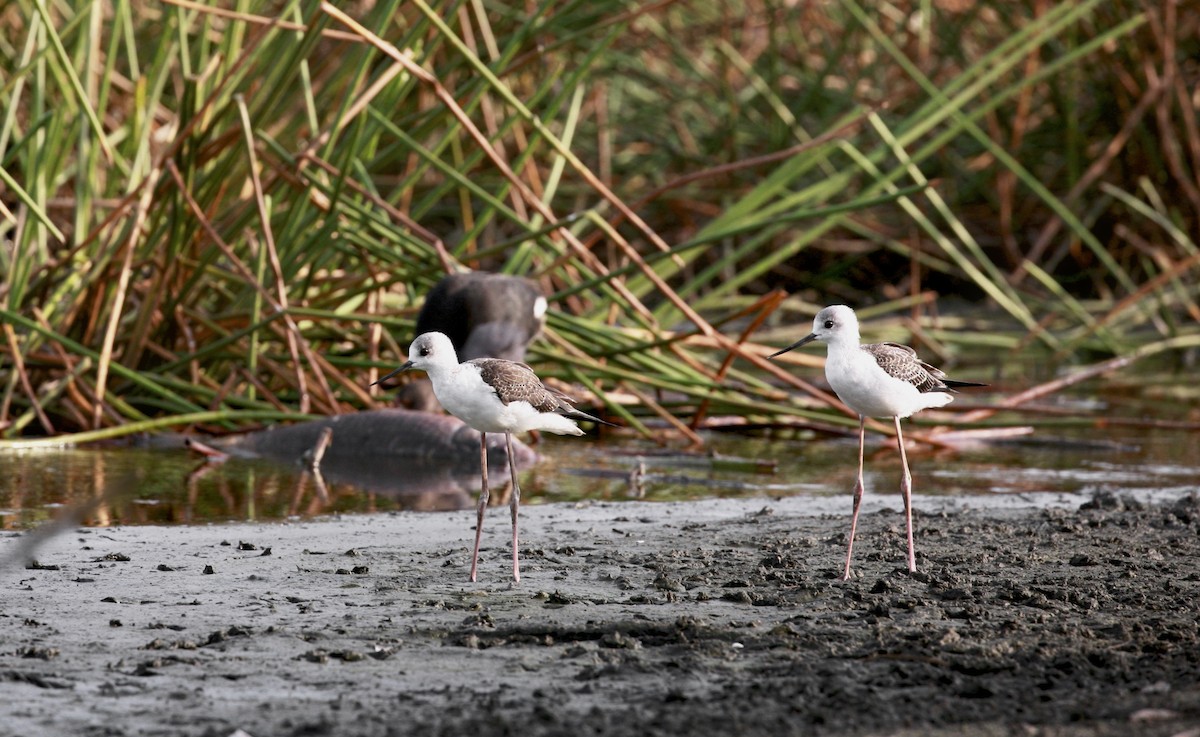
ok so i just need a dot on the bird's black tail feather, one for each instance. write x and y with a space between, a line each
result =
578 416
959 384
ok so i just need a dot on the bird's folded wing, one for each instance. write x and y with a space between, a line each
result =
901 362
516 382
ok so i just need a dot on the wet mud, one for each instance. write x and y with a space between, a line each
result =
719 617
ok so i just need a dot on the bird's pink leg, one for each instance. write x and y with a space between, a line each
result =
906 491
858 492
515 503
483 500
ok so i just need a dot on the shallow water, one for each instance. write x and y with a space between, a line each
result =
136 486
109 486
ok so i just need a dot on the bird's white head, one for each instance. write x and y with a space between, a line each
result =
431 352
833 325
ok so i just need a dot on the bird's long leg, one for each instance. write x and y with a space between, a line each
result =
858 492
515 503
906 491
483 500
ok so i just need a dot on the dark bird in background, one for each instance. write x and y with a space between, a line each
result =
485 315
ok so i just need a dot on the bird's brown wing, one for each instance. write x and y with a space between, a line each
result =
901 362
516 382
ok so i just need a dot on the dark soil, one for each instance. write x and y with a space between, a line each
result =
722 617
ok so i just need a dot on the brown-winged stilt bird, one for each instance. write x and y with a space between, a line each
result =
493 395
877 380
484 315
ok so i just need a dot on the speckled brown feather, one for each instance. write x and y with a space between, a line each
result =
901 362
516 382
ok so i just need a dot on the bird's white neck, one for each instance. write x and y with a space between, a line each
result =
844 339
441 371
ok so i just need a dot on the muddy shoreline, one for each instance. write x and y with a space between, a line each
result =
1073 617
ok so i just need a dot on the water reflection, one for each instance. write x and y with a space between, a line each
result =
376 461
121 486
367 472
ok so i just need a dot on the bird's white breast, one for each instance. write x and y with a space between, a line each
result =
463 393
867 389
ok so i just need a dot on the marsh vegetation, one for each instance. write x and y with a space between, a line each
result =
212 216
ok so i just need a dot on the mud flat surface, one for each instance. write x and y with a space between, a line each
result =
1073 617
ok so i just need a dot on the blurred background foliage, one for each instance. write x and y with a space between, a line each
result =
226 213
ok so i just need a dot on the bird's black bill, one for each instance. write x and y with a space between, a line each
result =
806 339
404 367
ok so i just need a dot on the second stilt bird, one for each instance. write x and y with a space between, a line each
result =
493 395
877 380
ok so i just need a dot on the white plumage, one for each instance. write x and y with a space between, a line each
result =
877 380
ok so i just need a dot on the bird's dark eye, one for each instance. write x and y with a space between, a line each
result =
424 351
829 324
